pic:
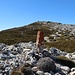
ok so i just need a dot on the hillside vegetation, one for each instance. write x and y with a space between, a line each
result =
65 42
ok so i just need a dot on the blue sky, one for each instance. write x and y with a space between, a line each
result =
16 13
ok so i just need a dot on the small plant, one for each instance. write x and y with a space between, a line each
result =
16 73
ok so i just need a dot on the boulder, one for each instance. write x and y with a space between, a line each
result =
72 69
55 51
46 64
35 69
36 55
46 54
46 73
40 73
58 74
65 69
72 73
2 45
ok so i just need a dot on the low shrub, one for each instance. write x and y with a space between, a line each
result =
65 61
16 73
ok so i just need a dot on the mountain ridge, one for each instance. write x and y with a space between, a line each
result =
58 34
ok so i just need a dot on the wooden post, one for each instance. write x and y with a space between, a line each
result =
40 41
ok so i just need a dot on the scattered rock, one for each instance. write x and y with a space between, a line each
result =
72 69
39 72
27 71
46 54
35 69
46 73
72 73
44 63
65 69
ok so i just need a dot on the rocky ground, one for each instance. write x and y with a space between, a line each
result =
13 57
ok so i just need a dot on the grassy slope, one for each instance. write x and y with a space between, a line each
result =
28 33
22 34
64 45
